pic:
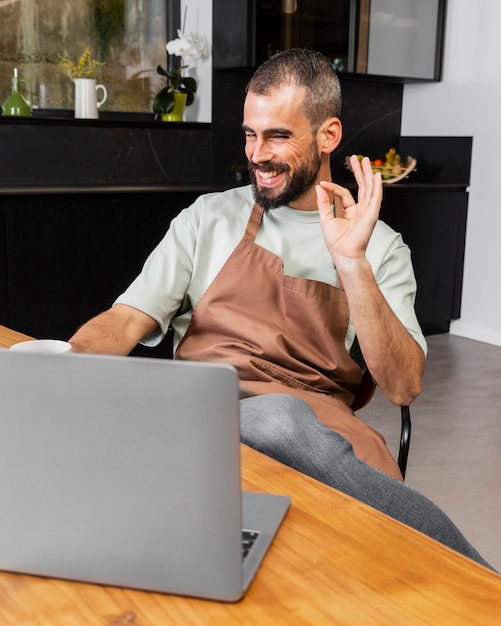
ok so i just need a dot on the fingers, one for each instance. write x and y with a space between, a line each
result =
340 192
362 176
370 186
323 202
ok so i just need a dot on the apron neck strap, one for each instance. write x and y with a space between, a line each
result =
254 221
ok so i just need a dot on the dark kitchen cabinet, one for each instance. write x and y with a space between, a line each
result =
401 39
433 224
69 255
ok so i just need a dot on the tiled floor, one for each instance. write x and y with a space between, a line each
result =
455 453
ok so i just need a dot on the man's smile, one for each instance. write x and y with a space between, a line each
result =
269 178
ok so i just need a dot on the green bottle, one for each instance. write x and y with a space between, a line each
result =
16 104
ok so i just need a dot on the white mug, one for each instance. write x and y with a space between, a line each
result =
86 102
54 346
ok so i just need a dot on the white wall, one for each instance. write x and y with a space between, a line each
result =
199 21
468 102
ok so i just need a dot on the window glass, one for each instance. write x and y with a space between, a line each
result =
128 36
403 38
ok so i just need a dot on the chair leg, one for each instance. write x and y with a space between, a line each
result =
405 438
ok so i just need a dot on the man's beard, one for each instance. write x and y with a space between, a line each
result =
296 186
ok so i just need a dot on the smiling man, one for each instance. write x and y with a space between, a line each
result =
301 298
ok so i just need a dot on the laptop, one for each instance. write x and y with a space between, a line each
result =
125 471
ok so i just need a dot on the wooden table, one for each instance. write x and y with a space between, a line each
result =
9 337
334 561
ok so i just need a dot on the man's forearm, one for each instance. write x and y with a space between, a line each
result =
394 358
116 331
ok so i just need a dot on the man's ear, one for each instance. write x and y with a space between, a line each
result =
329 135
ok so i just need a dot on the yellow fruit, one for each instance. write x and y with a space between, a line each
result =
392 158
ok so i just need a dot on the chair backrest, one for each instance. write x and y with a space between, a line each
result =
363 395
363 392
405 439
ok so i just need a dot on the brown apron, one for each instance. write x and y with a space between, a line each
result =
284 335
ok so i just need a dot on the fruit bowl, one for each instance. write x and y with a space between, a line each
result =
391 173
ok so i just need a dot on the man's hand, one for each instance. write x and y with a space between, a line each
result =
347 235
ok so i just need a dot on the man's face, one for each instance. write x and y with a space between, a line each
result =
283 155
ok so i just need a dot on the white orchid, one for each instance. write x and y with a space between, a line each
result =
189 47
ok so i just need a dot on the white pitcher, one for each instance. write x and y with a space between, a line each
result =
86 102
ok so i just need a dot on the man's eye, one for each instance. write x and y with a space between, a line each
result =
280 137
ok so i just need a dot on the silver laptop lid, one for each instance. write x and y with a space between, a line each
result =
123 471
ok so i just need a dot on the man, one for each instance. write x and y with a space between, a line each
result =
271 279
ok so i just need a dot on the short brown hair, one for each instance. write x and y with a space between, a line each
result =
304 68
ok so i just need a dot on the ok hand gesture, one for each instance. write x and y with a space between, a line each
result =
347 235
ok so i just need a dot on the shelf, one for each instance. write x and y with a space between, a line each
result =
113 189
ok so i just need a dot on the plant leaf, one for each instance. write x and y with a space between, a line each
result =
190 84
163 102
161 71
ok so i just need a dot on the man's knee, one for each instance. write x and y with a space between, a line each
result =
273 418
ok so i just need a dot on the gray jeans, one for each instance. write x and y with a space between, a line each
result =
286 429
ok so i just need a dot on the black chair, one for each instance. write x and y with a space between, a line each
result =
365 391
405 439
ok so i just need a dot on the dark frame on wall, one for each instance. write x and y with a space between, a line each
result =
398 40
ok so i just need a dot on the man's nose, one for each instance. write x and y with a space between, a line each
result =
261 152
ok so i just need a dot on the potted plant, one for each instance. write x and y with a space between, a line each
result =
180 90
82 73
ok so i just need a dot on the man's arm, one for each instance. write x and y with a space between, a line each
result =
393 357
116 331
